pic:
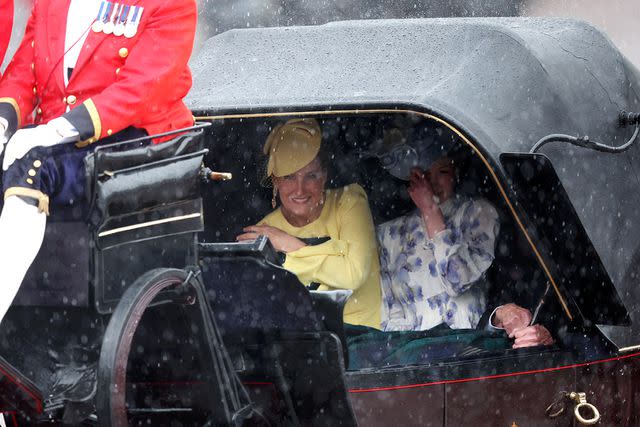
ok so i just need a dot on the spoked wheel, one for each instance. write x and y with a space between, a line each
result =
171 288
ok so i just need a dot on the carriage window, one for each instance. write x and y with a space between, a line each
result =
449 251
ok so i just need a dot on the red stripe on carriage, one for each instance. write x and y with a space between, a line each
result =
491 377
37 399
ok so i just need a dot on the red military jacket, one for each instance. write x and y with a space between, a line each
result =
6 24
117 81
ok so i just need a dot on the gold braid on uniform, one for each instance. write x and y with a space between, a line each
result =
43 199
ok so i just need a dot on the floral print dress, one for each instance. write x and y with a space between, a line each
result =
430 281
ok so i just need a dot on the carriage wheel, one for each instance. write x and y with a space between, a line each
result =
114 354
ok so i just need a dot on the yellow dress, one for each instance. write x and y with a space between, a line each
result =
348 260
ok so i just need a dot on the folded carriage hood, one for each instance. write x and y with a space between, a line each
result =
505 82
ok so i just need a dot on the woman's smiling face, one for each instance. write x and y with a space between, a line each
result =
302 193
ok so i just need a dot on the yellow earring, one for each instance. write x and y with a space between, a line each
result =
273 199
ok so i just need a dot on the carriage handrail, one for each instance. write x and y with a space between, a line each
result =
197 127
157 162
260 248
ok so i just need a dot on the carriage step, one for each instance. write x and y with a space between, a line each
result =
166 416
151 415
144 411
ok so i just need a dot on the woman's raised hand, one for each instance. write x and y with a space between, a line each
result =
420 190
281 241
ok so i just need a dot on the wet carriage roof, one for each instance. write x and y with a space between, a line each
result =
491 73
505 82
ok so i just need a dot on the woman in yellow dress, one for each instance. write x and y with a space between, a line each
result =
326 235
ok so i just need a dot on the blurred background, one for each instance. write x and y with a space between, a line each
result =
617 18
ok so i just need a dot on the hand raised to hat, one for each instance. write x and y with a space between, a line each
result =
421 191
422 194
281 241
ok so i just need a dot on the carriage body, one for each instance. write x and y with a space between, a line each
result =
568 216
498 85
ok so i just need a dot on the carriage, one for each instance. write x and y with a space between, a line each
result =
180 323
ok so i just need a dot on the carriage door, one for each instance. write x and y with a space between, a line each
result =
399 406
518 400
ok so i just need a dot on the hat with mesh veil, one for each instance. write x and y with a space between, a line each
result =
398 156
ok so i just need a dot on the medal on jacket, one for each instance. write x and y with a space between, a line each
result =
131 27
109 25
119 28
108 28
99 22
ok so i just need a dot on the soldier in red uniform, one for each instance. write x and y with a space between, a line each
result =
89 72
6 24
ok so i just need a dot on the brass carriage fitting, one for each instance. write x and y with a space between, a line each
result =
592 415
220 176
209 175
585 413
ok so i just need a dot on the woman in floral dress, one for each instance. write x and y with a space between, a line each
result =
434 259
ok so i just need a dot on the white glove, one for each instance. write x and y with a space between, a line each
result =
55 132
3 133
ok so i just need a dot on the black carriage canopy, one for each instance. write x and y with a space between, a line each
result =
504 83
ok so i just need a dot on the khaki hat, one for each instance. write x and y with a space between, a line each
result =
292 146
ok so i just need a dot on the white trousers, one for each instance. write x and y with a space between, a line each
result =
21 233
